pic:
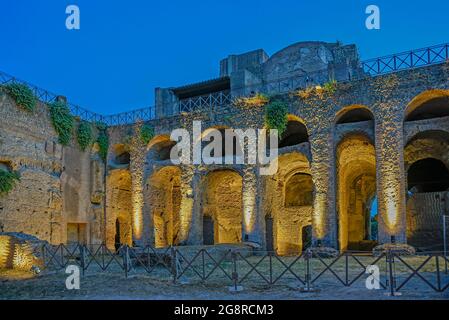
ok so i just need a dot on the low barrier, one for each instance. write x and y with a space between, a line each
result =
235 268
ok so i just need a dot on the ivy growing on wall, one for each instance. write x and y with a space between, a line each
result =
102 140
22 95
62 121
8 181
146 133
84 136
276 116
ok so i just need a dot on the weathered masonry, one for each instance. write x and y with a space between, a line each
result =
375 139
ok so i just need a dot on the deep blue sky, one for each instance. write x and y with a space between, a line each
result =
127 48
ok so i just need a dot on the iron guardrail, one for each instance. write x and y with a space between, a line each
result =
234 267
372 67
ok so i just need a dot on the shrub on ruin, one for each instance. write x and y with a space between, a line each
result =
84 135
62 121
22 95
257 100
8 181
276 116
146 133
102 140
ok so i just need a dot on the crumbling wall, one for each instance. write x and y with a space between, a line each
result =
119 207
28 145
58 185
165 199
223 202
291 211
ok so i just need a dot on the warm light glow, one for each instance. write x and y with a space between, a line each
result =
318 216
391 209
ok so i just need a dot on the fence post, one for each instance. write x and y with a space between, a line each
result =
308 277
438 271
126 260
235 276
174 262
390 258
445 242
346 269
82 258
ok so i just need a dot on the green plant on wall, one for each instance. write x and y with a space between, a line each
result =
276 116
102 140
22 95
62 121
330 87
8 181
84 136
146 133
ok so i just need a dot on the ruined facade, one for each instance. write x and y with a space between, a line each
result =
382 139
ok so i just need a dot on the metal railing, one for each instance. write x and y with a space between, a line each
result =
237 267
209 101
373 67
407 60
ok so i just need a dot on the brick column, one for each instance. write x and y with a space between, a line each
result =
390 174
251 230
324 219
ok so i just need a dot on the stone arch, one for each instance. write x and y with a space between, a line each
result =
354 113
237 149
425 144
356 188
160 147
119 207
165 203
428 105
289 203
120 155
295 133
222 203
426 161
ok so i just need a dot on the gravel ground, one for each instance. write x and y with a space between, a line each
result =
112 284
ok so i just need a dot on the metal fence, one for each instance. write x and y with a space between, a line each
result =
407 60
236 268
373 67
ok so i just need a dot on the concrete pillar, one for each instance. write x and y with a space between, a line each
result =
251 230
390 175
148 226
136 167
324 219
195 236
186 207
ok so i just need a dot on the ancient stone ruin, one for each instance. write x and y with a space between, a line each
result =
352 140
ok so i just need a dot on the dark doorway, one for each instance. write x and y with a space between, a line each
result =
117 235
306 237
208 231
269 233
428 175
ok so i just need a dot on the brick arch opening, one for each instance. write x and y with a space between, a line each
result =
354 113
160 148
120 155
289 204
426 161
428 105
230 145
356 189
222 205
165 202
119 208
295 133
